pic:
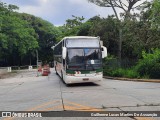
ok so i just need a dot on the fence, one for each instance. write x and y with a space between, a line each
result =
23 67
4 70
116 63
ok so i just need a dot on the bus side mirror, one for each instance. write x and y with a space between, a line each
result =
104 52
53 47
64 52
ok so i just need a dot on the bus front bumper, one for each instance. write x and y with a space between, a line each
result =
84 79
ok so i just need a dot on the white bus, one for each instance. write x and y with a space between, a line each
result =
79 59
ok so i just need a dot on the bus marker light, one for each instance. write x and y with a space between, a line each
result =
77 72
70 74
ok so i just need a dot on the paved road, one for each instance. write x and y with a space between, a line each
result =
27 92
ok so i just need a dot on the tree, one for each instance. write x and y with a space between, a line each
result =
47 35
72 26
155 14
22 34
107 30
75 21
138 35
126 6
84 29
17 38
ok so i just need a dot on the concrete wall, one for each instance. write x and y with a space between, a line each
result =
3 71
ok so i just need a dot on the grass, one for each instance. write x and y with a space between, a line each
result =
120 72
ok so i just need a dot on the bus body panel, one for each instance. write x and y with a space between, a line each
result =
58 67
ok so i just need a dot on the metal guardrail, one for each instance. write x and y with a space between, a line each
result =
3 70
10 68
23 67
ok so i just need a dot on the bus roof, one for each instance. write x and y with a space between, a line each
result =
82 37
77 37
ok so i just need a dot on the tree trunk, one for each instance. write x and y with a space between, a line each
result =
120 46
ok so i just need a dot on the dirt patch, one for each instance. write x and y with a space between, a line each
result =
8 75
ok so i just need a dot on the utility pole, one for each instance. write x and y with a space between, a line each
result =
37 58
37 61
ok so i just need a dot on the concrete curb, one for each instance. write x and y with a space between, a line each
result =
134 80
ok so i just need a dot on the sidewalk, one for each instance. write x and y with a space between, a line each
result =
133 79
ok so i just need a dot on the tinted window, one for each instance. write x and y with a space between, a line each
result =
84 59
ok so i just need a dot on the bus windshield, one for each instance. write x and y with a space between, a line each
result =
84 59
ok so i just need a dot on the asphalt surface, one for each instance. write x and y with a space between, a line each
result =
29 92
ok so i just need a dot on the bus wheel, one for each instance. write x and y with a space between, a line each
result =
56 70
62 75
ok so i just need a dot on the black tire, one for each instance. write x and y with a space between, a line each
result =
56 70
68 85
62 75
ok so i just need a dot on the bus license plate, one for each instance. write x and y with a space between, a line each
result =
85 79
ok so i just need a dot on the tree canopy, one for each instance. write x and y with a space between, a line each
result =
155 14
125 5
22 34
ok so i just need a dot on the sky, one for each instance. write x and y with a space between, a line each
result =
58 11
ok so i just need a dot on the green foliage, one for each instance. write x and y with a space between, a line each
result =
84 29
47 35
121 72
22 34
75 21
17 38
107 29
131 73
150 64
155 14
147 67
112 69
72 27
16 33
136 33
